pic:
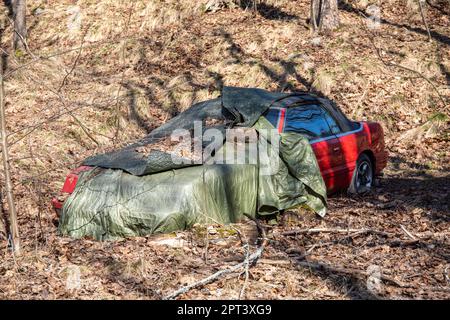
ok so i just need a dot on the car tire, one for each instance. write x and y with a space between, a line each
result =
363 176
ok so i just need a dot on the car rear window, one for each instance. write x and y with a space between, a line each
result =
309 120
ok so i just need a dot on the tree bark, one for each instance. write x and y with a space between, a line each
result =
3 232
20 26
14 228
324 16
424 20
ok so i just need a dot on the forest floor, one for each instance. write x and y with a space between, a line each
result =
121 69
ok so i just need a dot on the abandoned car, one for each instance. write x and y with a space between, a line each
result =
144 189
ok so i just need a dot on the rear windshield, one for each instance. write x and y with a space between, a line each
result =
309 120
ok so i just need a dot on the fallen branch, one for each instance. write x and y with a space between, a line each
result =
247 267
351 271
335 230
353 233
275 262
250 261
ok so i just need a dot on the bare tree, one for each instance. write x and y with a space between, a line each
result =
14 228
2 219
324 15
424 20
19 9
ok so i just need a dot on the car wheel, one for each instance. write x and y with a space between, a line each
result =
362 176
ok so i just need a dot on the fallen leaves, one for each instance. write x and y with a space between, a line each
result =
188 61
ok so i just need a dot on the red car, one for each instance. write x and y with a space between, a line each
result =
350 154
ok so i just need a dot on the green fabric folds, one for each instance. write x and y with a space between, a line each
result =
111 203
296 181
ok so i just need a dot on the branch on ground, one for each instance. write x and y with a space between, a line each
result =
250 261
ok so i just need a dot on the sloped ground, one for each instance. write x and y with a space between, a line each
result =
141 63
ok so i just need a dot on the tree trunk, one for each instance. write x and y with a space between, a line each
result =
2 219
324 15
14 228
20 26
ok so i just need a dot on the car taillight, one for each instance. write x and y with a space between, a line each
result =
70 183
69 186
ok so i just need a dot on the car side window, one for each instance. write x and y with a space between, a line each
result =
310 120
335 129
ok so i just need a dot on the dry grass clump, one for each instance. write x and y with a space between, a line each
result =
323 82
108 18
429 69
429 130
181 92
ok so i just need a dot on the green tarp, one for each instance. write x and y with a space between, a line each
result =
144 196
117 204
297 179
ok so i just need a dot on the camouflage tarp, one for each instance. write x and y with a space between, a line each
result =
297 180
111 203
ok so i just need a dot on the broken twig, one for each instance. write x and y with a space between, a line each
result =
250 260
409 234
247 267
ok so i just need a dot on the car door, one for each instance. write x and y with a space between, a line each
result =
312 121
338 164
352 143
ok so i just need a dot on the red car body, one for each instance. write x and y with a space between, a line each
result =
337 155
